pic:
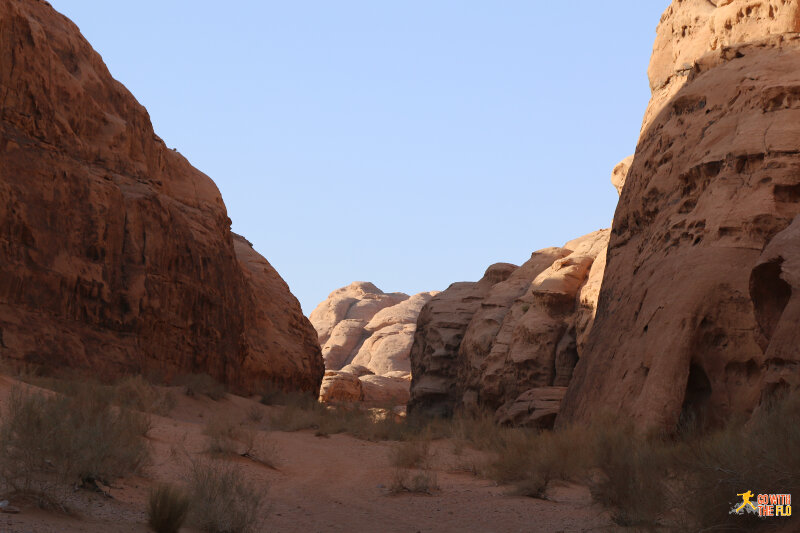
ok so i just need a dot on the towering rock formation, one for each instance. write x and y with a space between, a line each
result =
510 341
366 337
115 253
697 316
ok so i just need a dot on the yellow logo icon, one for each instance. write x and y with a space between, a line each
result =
746 496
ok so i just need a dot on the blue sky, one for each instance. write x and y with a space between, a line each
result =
411 144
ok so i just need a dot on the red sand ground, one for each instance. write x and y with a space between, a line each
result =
319 485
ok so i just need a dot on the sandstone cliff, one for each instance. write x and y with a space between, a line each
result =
115 253
697 316
366 338
510 341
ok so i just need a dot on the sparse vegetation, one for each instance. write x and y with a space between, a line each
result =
167 508
412 454
48 443
423 481
134 392
201 385
222 501
644 481
225 437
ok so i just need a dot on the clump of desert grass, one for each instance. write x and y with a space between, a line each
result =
50 443
167 508
413 468
223 501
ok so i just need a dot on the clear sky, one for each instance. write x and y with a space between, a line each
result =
411 144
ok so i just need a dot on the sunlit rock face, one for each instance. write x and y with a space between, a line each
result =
366 338
116 255
697 317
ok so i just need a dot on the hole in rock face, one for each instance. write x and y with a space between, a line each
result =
770 294
695 401
787 193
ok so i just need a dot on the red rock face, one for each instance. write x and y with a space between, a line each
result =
115 253
509 342
697 315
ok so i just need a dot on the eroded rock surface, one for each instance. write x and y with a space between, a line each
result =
696 319
367 332
504 340
116 254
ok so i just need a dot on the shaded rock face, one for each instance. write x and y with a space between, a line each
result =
696 318
368 333
115 253
509 338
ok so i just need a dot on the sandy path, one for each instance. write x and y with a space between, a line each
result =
320 485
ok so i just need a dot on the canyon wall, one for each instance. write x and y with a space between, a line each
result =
509 342
116 255
697 315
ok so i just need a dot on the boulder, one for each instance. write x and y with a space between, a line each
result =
536 408
340 387
368 332
620 173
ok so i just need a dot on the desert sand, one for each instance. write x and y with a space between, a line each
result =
334 483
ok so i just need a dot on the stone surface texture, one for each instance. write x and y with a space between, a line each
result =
488 345
368 333
116 255
697 315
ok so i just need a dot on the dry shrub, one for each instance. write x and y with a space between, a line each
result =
201 385
274 394
134 392
226 437
423 481
255 414
222 501
411 454
761 456
167 508
49 443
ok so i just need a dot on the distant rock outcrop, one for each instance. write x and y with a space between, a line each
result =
697 318
116 255
366 338
510 339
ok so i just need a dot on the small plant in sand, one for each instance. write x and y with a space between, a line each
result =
413 470
414 481
222 500
167 508
227 437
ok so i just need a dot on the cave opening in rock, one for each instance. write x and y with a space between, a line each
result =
770 294
694 413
